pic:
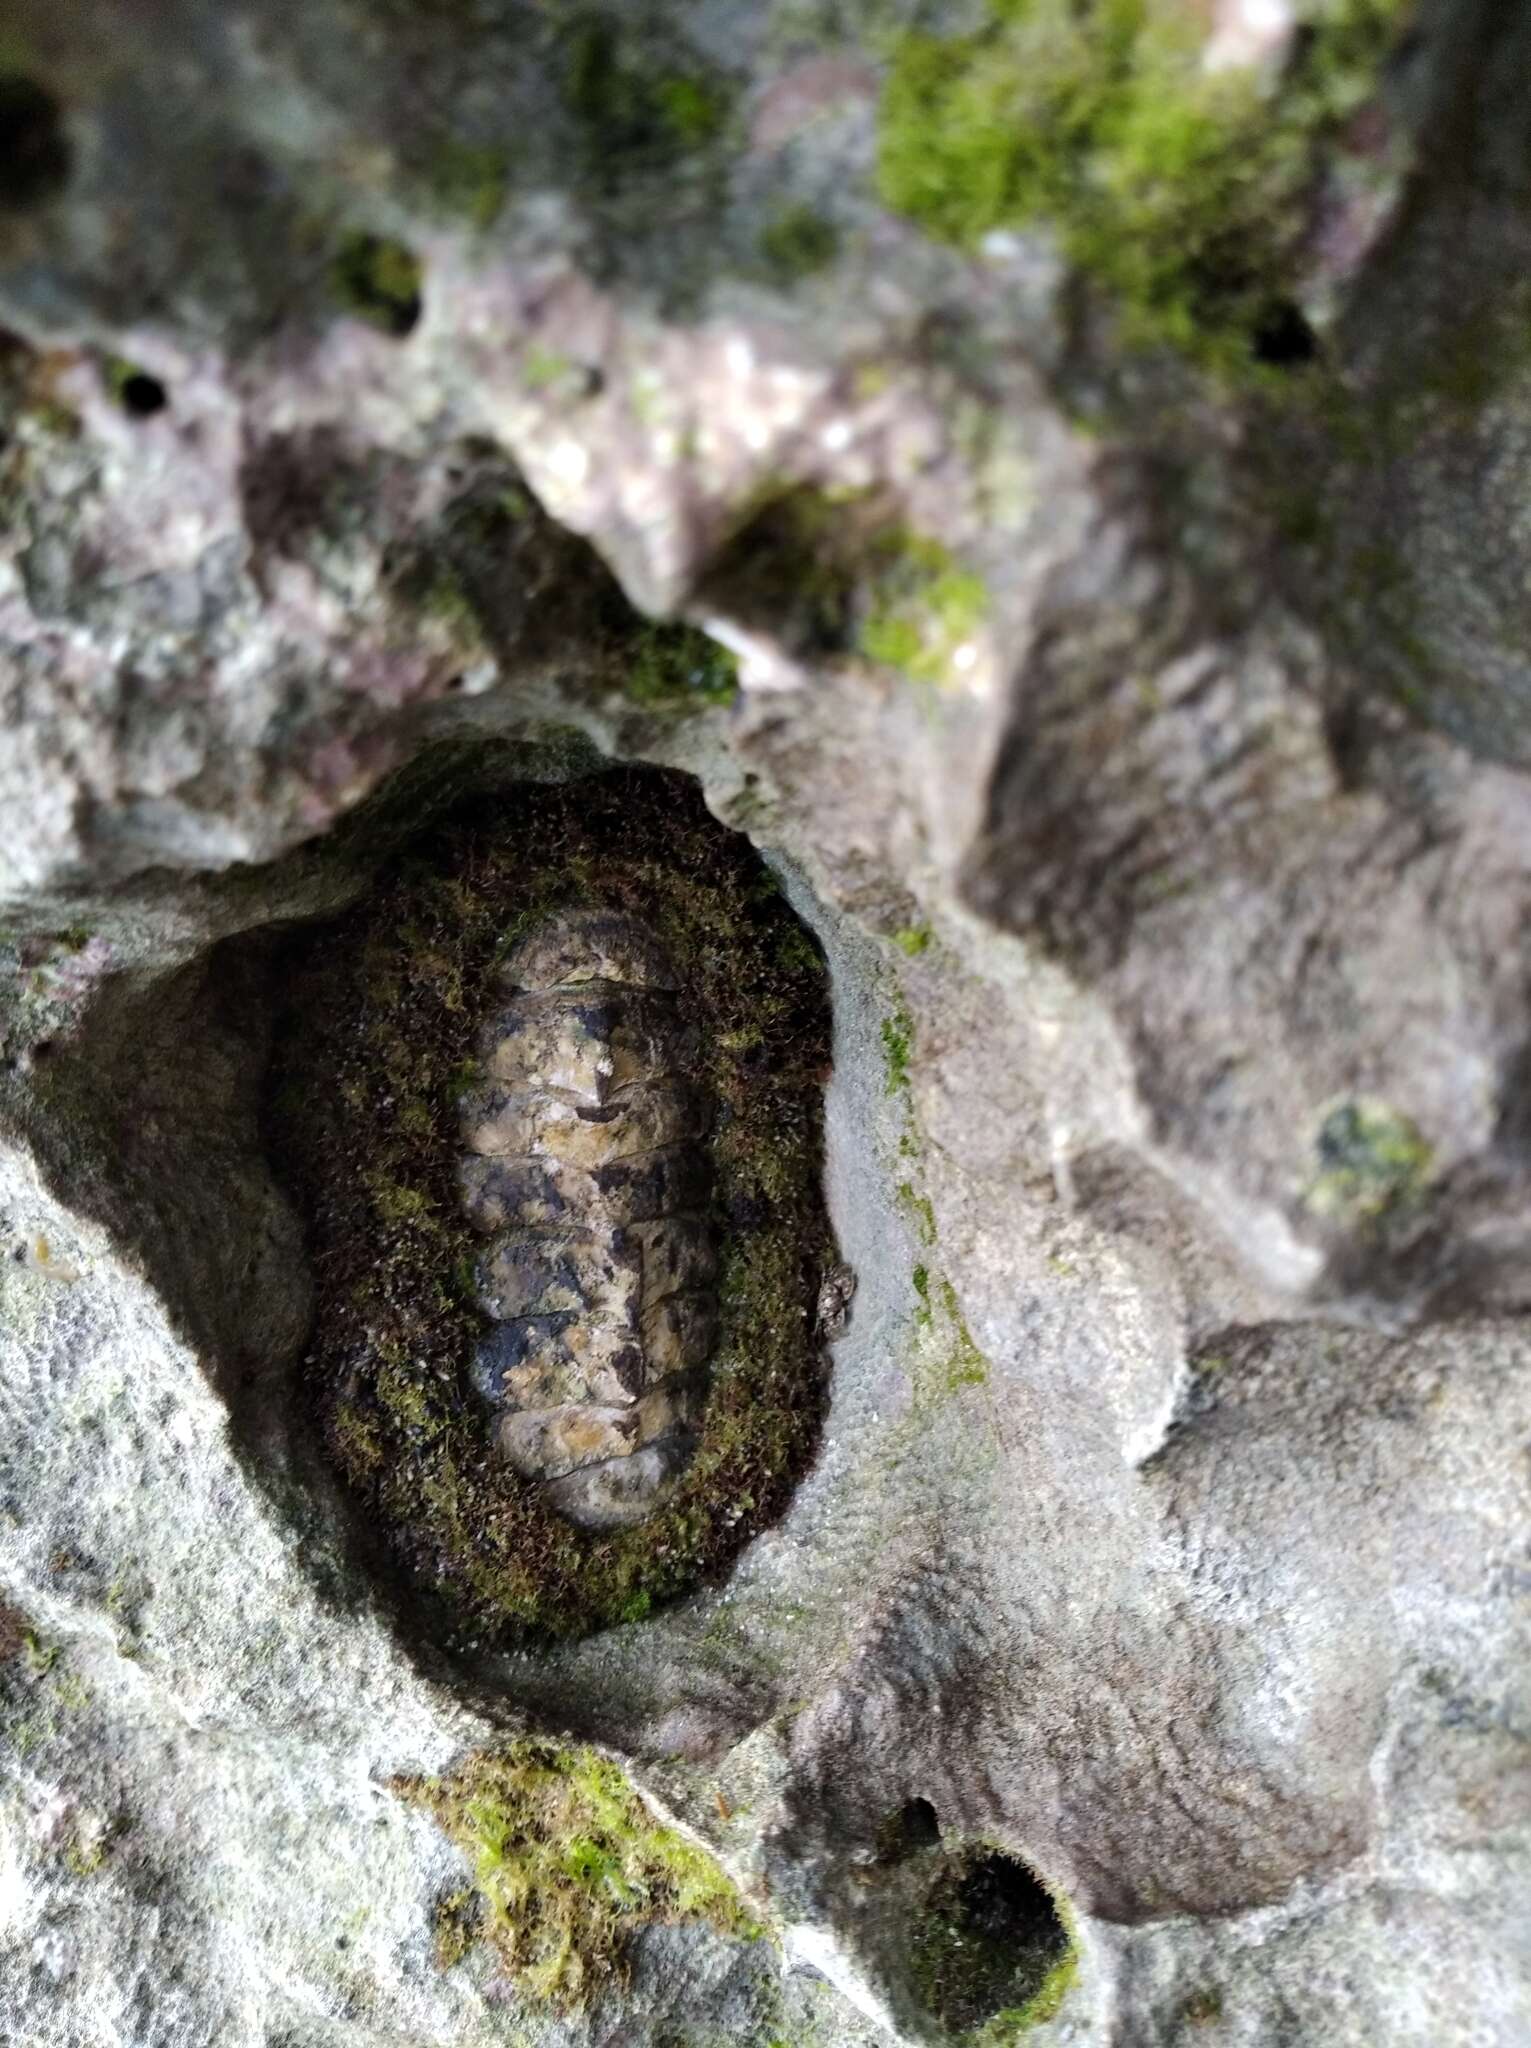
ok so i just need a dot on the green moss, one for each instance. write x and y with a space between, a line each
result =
1043 2004
797 242
40 1656
897 1049
636 113
966 1365
456 1924
913 939
1183 191
378 280
469 180
1372 1161
993 1953
835 570
379 1019
920 607
923 608
921 1209
677 668
543 369
568 1864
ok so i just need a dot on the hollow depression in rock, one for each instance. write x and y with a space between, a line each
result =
549 1098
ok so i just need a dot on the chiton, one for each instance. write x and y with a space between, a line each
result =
550 1100
585 1167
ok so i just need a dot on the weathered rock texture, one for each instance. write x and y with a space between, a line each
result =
1143 733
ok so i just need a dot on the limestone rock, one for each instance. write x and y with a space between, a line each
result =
1142 735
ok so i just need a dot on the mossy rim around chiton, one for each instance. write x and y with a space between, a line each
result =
377 1019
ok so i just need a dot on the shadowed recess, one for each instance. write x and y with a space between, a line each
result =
35 158
990 1955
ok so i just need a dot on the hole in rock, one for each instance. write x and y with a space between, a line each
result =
141 395
1283 337
35 158
550 1100
989 1941
378 279
914 1827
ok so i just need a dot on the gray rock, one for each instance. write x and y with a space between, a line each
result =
1146 749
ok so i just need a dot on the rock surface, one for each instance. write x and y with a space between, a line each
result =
1147 749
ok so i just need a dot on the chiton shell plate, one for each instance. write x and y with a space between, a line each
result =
585 1166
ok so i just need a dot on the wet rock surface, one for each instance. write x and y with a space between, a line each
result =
1109 1527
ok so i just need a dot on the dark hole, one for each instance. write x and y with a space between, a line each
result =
987 1942
379 281
142 395
1283 337
1346 728
34 150
905 1833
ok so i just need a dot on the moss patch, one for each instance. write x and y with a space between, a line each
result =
1185 192
469 181
797 242
897 1048
568 1863
376 1036
1372 1161
677 668
830 572
635 109
922 607
378 280
991 1955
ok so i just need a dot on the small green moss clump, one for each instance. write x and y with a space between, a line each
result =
1372 1161
378 280
568 1863
797 242
378 1028
897 1049
469 180
834 570
922 607
678 668
139 394
913 939
992 1954
634 112
1184 191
